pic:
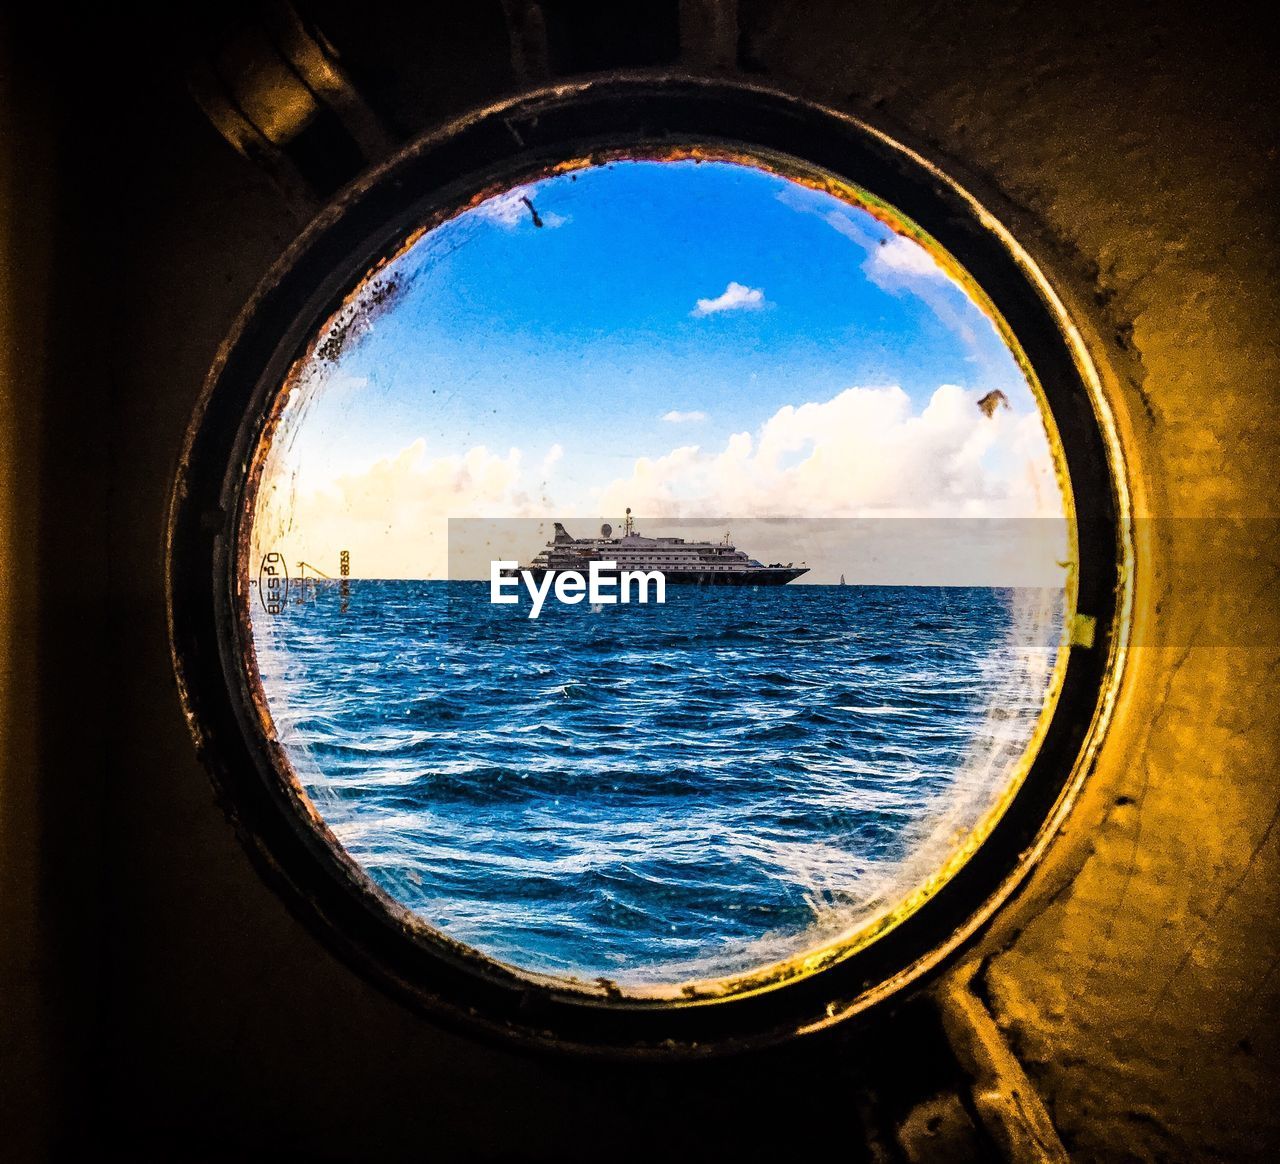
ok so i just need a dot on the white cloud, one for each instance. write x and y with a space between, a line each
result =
677 417
735 297
895 263
554 453
394 515
509 210
865 452
900 265
907 257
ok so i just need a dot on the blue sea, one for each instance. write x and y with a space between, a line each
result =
650 793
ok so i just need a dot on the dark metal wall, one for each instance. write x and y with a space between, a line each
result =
159 1002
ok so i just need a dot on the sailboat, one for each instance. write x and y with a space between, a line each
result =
842 582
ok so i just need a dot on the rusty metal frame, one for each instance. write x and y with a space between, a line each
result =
369 222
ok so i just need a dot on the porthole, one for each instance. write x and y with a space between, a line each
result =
698 329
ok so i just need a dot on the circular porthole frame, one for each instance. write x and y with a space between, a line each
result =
510 143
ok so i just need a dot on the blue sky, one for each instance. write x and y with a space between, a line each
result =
568 344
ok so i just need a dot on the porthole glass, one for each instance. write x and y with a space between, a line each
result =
776 394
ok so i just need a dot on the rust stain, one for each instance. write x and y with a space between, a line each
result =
536 220
991 401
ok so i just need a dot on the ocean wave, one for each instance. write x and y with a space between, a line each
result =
653 792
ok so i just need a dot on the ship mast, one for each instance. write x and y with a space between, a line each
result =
628 524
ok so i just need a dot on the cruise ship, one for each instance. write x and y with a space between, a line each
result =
681 561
